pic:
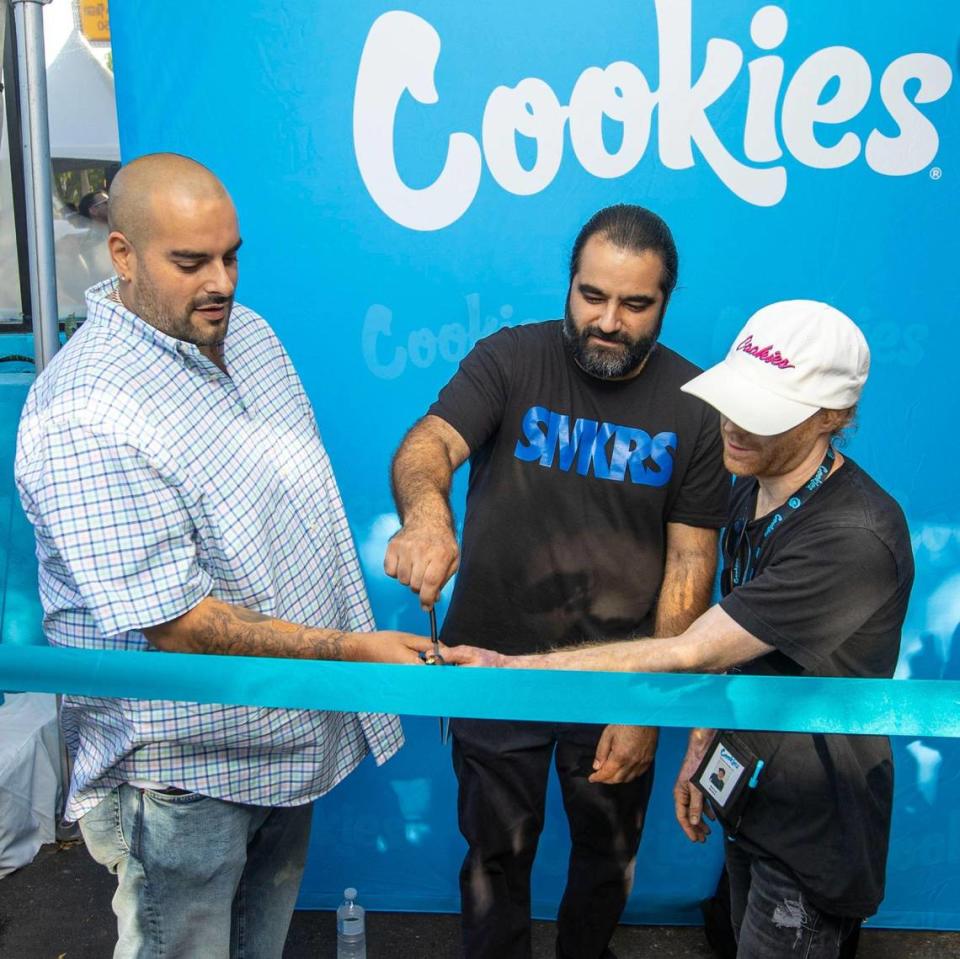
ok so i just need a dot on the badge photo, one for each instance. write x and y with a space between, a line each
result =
726 770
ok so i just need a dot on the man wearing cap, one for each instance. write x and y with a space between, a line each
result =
817 575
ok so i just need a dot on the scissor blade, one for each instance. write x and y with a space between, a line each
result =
433 633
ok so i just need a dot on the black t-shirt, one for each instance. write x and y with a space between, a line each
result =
830 594
572 481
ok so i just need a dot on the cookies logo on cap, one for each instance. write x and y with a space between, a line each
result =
765 353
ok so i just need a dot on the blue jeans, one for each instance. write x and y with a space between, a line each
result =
772 916
198 878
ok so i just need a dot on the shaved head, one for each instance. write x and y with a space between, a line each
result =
174 240
145 188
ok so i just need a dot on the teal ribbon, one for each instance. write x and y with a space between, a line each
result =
778 703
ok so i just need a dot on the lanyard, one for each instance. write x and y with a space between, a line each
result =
745 556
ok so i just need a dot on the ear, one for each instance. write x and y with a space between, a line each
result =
123 255
835 420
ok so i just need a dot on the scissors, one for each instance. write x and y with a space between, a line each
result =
433 637
436 659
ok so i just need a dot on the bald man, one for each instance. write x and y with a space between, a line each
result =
170 463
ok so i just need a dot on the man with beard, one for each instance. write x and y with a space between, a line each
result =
818 568
169 461
596 490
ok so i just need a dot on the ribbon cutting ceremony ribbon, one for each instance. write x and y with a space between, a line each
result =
777 703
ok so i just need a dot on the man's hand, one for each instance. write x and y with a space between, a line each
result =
424 554
388 646
423 557
624 753
472 656
688 803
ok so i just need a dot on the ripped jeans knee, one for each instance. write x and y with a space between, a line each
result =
772 917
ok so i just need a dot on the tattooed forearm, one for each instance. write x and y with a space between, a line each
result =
249 615
220 628
687 578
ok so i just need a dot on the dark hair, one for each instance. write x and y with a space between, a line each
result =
633 228
88 200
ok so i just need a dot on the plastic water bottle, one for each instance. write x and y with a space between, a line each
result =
351 928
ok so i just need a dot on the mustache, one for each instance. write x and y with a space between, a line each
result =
214 299
597 333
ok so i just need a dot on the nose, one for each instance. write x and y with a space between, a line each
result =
733 432
609 321
728 428
221 281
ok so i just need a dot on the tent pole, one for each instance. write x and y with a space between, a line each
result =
3 40
36 155
14 130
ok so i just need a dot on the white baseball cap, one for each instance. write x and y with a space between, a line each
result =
791 359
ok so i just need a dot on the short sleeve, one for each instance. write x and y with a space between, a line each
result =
705 491
817 591
116 523
474 400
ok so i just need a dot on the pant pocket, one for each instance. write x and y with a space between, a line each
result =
102 831
174 799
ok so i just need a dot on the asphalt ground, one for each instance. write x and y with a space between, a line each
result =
59 908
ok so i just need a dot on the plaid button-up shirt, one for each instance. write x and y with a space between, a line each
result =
153 480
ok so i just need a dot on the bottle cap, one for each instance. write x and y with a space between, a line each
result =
350 893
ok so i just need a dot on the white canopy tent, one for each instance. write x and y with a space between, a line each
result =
80 104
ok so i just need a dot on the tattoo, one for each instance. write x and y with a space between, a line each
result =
684 593
249 615
223 629
332 647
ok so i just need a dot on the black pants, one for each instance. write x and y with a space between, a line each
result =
502 768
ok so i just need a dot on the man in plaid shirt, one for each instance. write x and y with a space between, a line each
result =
182 500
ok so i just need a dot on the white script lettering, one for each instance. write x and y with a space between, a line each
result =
401 55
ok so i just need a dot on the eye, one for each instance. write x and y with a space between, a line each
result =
188 267
592 297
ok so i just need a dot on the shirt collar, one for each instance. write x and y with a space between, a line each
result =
105 306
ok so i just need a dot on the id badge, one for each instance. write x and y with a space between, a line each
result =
727 773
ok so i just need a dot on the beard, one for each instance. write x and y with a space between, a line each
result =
167 318
606 362
770 455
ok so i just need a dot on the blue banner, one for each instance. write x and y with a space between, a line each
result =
409 180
